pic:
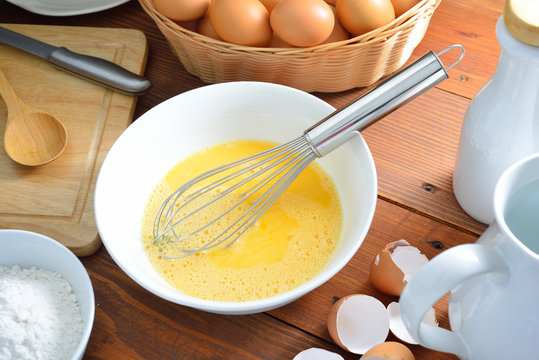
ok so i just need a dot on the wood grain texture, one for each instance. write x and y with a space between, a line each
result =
414 150
474 27
132 323
56 199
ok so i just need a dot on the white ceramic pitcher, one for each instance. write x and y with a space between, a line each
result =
494 283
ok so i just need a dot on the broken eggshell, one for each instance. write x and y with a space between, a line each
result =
394 266
317 354
358 322
390 350
397 327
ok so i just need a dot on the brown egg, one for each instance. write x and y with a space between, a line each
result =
361 16
402 6
302 22
331 2
269 4
339 33
205 27
390 350
243 22
394 266
277 42
182 10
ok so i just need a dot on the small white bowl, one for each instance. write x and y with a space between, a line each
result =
27 249
186 123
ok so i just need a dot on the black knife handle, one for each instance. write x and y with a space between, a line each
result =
101 71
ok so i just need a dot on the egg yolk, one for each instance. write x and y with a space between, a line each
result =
286 247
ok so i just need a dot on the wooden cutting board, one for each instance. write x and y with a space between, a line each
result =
57 199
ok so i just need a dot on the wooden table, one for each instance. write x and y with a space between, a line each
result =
414 150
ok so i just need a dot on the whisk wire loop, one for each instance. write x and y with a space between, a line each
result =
244 196
277 169
284 182
165 217
180 191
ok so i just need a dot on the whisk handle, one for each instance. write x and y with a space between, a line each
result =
416 78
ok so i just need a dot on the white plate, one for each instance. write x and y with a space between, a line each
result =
66 7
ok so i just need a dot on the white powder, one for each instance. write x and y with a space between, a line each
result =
39 315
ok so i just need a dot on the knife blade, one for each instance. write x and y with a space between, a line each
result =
92 68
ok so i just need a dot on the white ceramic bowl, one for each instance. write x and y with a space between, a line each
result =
27 249
176 128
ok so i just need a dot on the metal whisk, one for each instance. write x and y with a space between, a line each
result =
248 187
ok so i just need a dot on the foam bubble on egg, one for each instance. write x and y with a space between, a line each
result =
317 354
358 322
397 327
390 350
394 266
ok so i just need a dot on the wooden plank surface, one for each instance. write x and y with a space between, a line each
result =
280 334
414 150
131 323
56 199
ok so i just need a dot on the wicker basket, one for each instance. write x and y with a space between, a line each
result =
338 66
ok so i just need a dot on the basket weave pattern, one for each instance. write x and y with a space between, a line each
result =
356 62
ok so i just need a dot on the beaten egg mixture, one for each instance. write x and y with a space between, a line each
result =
286 247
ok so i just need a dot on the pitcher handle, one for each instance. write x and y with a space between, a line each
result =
443 273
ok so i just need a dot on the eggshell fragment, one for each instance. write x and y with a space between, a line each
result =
397 327
358 322
394 266
317 354
390 350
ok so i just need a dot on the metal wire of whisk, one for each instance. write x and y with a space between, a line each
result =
254 183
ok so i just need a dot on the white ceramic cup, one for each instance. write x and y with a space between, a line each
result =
186 123
493 284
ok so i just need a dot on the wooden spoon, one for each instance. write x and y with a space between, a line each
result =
32 137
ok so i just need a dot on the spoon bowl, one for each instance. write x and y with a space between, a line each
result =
32 137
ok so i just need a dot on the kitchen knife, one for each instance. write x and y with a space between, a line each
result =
91 68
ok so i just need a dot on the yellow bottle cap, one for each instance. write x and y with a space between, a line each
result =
521 17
